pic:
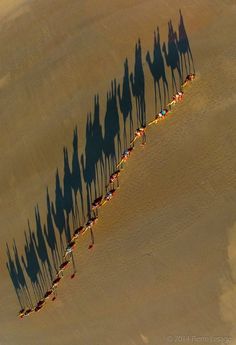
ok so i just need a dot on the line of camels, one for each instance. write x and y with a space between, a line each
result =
112 187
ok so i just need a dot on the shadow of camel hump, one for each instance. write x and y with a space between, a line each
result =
58 211
186 57
98 146
92 160
111 138
125 103
67 194
18 279
157 69
88 164
76 180
41 249
138 86
49 233
172 57
32 266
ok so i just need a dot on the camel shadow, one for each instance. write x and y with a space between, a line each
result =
172 57
58 212
98 146
125 103
68 203
86 176
157 69
41 248
111 138
76 180
49 233
138 86
186 57
92 160
31 265
18 278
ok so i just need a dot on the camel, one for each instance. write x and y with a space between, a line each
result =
161 115
140 133
48 294
76 233
21 313
190 77
90 223
56 281
108 196
70 247
178 97
28 312
38 308
63 266
114 177
125 156
97 202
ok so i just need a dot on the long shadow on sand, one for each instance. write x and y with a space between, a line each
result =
112 131
18 278
138 86
76 181
50 235
41 248
57 210
32 266
157 69
186 57
125 103
172 57
68 203
86 175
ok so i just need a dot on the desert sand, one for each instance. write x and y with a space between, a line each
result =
163 267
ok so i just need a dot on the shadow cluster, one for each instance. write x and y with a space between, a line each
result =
86 175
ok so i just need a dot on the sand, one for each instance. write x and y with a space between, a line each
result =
163 268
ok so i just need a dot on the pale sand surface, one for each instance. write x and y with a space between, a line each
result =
168 265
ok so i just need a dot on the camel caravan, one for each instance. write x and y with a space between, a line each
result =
112 187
